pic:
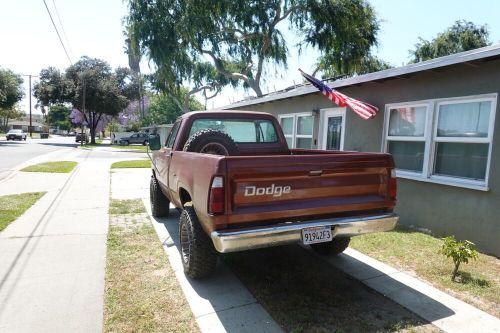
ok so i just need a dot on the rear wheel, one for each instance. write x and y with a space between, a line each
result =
160 205
336 246
199 257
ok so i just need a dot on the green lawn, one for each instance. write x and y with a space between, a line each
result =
135 148
418 252
52 167
13 206
132 206
132 164
142 293
97 143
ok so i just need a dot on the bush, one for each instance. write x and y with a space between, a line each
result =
459 251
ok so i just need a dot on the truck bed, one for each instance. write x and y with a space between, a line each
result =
321 184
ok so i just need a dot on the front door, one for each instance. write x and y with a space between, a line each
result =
333 129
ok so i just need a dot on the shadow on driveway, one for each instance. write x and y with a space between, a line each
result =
302 292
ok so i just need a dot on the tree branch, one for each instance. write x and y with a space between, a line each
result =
222 70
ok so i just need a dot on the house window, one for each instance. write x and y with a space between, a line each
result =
298 129
446 141
406 136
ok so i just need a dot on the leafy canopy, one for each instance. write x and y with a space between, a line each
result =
239 38
103 89
58 116
164 110
11 90
461 36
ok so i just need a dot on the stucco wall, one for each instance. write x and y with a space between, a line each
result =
445 210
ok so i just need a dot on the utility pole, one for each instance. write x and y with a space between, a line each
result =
31 126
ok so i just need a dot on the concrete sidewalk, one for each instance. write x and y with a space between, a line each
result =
52 259
220 303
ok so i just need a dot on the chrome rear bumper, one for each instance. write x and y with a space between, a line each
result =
291 232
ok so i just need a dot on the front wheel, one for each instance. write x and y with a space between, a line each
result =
199 257
334 247
145 143
160 206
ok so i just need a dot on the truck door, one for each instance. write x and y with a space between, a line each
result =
163 162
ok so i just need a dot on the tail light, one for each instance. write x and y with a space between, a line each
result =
393 185
217 196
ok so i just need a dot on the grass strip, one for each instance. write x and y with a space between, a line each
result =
305 294
138 148
52 167
142 293
131 164
129 206
417 252
13 206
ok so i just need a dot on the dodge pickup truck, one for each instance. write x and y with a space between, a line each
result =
238 187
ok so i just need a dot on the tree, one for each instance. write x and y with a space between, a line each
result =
7 114
58 116
89 86
164 110
11 92
462 36
368 64
240 37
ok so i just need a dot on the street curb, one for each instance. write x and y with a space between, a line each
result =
220 302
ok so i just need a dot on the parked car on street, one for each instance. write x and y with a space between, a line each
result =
81 137
16 134
136 138
240 187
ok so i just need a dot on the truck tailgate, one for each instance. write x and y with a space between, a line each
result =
299 187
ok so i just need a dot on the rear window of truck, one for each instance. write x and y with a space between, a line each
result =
241 130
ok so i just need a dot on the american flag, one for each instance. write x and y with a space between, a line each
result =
364 110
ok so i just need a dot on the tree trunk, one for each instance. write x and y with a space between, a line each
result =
455 271
92 126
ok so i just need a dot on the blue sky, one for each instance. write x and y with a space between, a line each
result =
94 28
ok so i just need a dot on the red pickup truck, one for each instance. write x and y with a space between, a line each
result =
239 187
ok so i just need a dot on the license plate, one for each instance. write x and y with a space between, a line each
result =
316 235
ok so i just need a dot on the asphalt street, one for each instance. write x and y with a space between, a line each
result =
14 153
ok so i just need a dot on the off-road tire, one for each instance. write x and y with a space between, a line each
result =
199 256
160 205
336 246
211 141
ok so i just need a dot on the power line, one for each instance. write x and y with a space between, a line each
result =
58 35
62 28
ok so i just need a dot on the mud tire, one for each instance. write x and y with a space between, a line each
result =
160 205
336 246
198 254
210 141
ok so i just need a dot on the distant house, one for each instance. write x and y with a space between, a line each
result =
25 125
438 120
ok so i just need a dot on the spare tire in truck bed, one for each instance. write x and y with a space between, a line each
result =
209 141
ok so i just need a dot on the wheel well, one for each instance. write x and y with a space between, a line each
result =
184 196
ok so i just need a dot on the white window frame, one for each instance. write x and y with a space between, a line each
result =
431 140
294 136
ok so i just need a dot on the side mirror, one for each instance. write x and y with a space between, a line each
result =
154 142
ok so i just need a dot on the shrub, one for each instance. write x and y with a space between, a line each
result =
459 251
